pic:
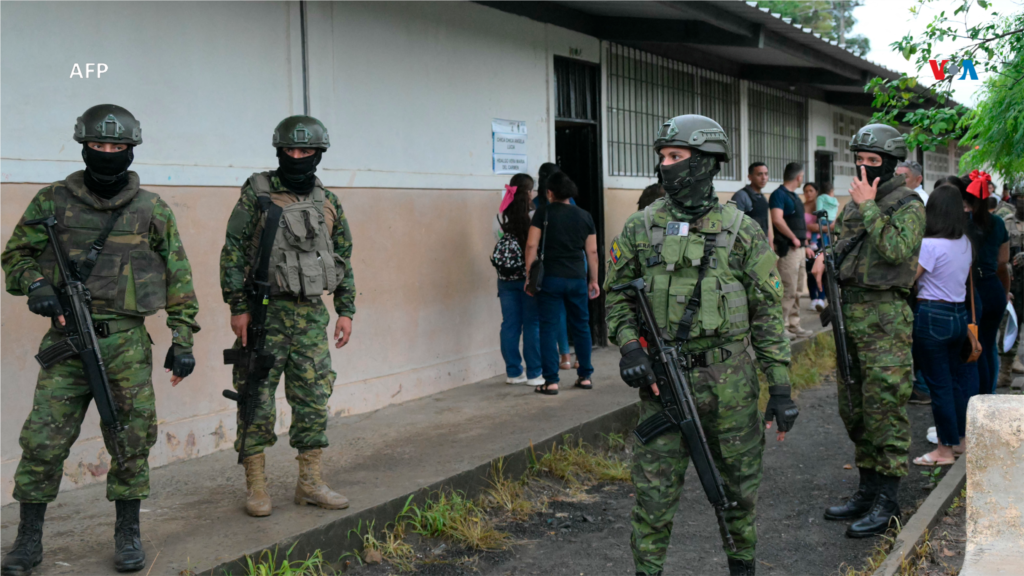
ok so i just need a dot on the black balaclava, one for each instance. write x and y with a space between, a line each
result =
688 184
106 173
1018 203
298 174
884 173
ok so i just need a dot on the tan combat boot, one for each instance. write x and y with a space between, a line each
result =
257 501
311 489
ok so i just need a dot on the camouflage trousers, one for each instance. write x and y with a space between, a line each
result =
61 399
726 395
297 337
879 336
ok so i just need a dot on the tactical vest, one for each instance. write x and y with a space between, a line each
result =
1015 228
302 261
795 221
864 267
759 211
129 277
672 263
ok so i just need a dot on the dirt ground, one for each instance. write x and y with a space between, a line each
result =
946 544
802 476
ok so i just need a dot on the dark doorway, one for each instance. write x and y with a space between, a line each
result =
823 171
578 154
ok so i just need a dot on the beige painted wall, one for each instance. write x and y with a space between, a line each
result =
427 319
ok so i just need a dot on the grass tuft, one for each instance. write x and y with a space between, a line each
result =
454 517
580 466
390 544
507 494
270 563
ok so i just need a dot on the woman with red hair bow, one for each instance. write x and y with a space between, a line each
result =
991 276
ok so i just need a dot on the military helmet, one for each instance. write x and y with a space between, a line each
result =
696 132
301 132
108 123
880 139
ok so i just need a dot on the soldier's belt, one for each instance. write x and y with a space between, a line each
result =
106 328
859 297
713 356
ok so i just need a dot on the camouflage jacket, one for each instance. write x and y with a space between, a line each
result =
751 262
22 258
887 256
238 252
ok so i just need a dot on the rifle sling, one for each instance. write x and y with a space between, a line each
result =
85 266
693 304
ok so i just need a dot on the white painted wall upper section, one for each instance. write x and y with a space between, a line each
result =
208 81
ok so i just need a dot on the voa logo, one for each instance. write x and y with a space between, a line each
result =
940 71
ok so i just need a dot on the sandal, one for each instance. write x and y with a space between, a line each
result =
544 389
565 363
926 460
580 383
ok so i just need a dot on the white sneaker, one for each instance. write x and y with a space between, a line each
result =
819 305
521 379
932 436
538 381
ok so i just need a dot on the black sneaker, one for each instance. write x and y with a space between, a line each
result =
918 397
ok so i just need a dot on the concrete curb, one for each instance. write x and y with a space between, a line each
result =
925 518
333 538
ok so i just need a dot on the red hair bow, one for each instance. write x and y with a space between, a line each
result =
510 192
980 183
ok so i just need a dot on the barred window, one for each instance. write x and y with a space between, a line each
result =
645 90
844 126
936 165
778 129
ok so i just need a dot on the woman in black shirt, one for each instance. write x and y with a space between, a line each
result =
569 232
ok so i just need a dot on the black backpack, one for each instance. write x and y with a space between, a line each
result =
507 258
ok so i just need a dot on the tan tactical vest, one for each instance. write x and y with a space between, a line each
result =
671 264
129 277
302 261
1015 228
864 267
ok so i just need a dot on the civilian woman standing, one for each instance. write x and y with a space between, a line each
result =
567 232
518 310
816 294
940 322
991 277
562 337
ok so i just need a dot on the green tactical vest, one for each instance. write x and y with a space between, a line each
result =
671 264
864 267
302 260
129 277
1015 228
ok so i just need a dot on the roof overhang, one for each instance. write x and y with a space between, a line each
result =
734 38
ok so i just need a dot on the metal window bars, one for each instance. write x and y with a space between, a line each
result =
778 128
645 90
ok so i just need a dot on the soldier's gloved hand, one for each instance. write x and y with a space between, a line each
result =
635 366
42 299
781 408
180 362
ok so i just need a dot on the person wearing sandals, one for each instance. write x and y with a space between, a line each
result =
940 324
559 236
562 334
714 290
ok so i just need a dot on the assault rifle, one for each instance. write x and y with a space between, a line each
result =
252 361
679 409
81 342
833 313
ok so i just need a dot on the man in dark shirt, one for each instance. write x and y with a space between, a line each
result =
751 201
787 212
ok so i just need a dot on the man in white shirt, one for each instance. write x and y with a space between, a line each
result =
915 177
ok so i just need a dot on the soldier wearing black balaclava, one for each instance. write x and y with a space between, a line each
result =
310 255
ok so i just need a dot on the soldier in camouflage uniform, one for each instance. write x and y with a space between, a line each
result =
881 232
681 241
1012 213
310 256
142 268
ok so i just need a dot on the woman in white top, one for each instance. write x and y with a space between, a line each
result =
940 323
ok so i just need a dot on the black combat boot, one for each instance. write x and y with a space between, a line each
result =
27 551
860 503
884 513
128 553
741 567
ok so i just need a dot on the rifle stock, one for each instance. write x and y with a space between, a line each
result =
679 409
81 341
833 314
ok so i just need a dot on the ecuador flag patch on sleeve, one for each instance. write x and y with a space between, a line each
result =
615 253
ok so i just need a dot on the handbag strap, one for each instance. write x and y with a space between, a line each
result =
544 236
970 276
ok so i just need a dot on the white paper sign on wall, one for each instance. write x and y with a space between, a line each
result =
509 146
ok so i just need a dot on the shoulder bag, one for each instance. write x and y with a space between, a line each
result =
971 349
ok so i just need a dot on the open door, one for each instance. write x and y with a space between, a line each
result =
578 154
823 171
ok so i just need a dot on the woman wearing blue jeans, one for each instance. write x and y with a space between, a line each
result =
518 309
566 232
940 322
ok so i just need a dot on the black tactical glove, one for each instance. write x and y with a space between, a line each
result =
43 300
781 408
179 362
635 366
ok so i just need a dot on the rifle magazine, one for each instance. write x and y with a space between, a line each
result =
653 427
57 353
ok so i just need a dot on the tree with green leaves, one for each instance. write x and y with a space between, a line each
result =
994 130
830 19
